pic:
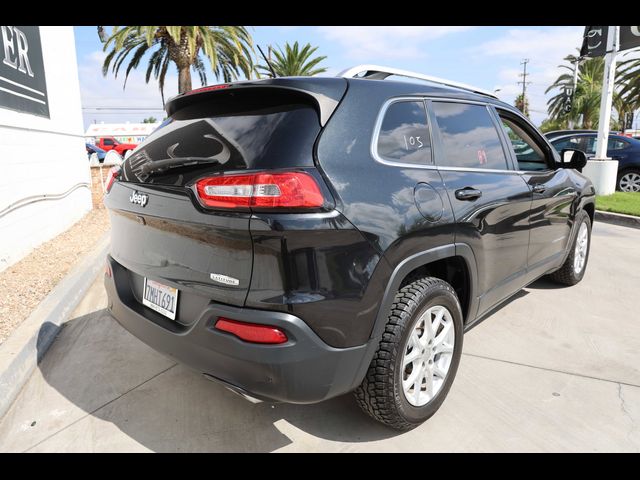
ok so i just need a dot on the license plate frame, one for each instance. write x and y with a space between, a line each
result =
158 296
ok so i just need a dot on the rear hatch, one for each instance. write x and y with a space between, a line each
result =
161 232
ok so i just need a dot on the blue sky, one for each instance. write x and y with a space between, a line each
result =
487 57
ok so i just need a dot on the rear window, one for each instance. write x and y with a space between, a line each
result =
245 137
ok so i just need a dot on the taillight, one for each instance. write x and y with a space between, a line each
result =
251 332
114 173
260 190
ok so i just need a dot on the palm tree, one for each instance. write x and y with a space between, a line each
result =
549 125
630 83
521 105
586 98
293 62
228 48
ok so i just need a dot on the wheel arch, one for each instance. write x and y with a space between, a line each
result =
442 262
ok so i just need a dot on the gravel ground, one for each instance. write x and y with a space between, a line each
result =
25 284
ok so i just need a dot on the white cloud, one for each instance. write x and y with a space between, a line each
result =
545 49
367 43
107 92
551 42
331 72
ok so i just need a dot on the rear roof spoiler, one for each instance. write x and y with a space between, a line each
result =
325 92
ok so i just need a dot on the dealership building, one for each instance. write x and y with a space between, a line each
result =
45 181
123 132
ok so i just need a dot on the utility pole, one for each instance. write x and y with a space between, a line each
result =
524 83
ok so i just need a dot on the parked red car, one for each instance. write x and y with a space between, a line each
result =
110 143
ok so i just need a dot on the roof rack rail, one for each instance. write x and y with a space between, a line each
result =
378 72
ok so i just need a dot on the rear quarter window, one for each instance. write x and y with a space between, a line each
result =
404 134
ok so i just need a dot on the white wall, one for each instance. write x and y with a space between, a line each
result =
44 156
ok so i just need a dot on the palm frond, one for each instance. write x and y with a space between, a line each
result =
229 50
293 61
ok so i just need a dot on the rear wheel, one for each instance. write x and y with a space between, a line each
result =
418 356
629 181
575 265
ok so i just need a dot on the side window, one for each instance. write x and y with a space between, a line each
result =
588 145
108 141
404 134
529 154
615 144
572 143
469 137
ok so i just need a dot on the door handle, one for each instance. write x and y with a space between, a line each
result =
468 193
539 188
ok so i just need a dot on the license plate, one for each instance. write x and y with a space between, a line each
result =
161 298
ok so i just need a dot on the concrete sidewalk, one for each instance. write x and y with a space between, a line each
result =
556 369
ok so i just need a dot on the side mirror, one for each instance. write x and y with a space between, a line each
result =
573 159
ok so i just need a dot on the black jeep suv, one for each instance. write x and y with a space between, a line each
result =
300 238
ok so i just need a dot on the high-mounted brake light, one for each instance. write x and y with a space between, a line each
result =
114 173
209 88
260 190
251 332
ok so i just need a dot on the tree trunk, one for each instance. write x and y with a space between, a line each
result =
184 79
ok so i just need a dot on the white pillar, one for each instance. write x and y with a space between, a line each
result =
606 100
602 170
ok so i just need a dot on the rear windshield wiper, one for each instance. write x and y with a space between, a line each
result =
160 166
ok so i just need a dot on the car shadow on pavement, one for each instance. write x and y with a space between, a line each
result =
106 372
546 284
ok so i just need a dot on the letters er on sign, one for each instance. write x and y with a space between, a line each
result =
23 85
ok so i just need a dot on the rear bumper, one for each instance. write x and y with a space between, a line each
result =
302 370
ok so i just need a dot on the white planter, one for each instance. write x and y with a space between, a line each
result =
112 158
603 174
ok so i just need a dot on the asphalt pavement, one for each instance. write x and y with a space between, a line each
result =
555 369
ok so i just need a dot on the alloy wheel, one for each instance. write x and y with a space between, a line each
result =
630 182
582 244
428 355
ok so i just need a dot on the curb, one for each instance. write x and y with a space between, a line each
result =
25 347
618 219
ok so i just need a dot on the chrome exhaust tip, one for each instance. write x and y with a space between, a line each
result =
233 388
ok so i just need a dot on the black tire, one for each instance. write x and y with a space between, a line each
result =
381 394
622 174
566 274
